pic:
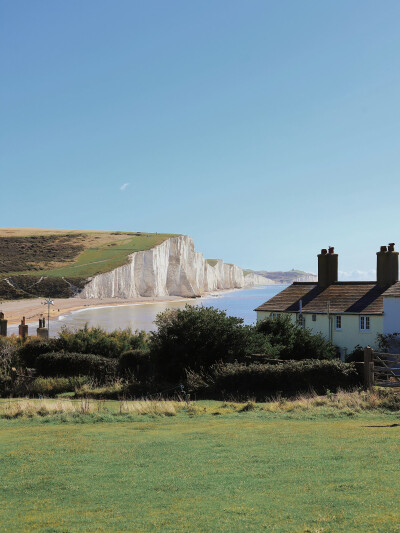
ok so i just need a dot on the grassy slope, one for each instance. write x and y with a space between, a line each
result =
56 263
97 252
108 256
237 472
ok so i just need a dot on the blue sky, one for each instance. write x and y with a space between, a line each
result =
265 130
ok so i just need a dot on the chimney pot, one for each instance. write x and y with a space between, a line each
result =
387 266
327 267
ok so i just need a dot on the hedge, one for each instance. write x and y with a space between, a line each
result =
137 362
29 351
75 364
262 381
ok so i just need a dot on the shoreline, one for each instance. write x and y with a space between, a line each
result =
33 309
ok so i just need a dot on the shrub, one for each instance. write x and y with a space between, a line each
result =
96 340
356 356
293 342
389 342
52 386
261 381
75 364
34 347
8 362
113 391
196 337
136 362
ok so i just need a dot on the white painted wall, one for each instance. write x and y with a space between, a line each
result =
348 337
391 313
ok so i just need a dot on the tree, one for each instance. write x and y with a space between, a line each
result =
295 342
197 337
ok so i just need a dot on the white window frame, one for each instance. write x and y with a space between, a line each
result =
338 323
365 323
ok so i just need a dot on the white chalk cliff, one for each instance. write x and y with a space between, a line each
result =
172 268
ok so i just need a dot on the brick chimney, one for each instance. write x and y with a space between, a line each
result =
327 267
387 265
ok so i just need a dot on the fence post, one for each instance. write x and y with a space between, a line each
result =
368 367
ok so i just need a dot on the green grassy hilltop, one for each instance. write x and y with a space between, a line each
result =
37 262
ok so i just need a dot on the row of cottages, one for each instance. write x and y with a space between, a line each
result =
349 313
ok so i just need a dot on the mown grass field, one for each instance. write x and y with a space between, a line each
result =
312 471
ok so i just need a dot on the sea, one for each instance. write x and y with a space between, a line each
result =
240 303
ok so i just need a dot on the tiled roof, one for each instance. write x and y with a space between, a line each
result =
343 297
394 290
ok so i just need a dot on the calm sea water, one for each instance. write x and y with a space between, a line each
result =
240 303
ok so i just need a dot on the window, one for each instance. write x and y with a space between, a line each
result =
338 322
314 318
365 323
301 320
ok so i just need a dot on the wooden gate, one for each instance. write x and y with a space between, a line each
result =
381 369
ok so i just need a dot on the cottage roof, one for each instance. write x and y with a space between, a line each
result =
353 297
394 290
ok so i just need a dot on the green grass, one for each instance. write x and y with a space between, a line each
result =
75 254
239 471
32 254
107 256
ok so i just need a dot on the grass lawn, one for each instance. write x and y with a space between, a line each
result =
249 471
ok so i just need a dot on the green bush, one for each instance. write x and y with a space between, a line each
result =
293 342
8 362
52 386
389 343
113 391
356 356
96 340
261 381
34 347
136 362
196 337
75 364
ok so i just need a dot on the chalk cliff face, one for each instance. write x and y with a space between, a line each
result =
172 268
255 279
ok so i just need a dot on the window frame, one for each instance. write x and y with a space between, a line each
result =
365 323
338 320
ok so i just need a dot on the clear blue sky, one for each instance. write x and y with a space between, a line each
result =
266 130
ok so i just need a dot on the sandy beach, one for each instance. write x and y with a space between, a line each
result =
32 309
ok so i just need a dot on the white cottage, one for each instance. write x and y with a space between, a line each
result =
349 313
